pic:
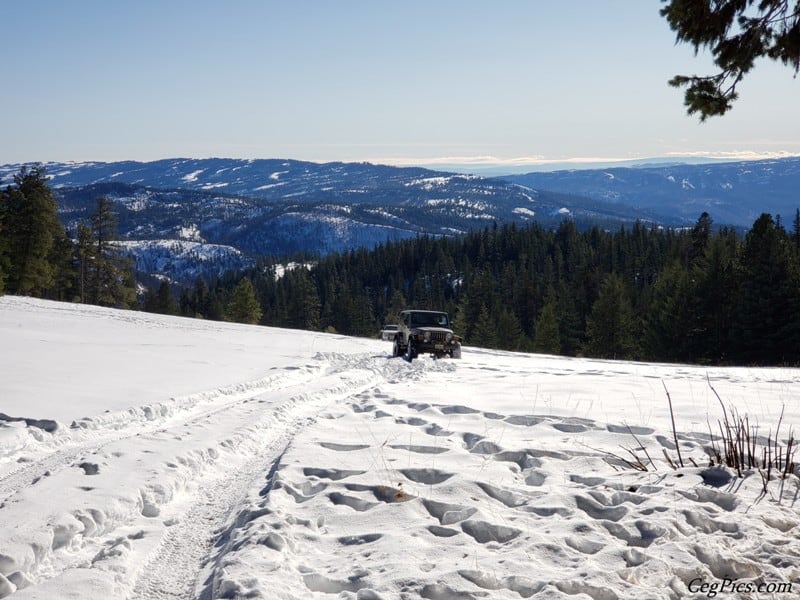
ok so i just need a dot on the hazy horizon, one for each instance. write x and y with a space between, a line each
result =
453 82
484 167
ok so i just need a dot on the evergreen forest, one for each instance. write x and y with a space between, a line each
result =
695 295
701 294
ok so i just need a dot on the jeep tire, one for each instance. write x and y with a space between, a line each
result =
409 355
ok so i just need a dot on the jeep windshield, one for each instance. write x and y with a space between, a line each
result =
429 320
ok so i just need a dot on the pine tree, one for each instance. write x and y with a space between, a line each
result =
30 229
161 301
304 308
65 268
701 234
548 338
83 248
105 274
509 333
207 300
673 324
343 310
150 301
459 319
397 303
243 307
796 230
736 33
767 322
610 326
4 259
166 300
361 320
570 325
484 334
198 301
715 291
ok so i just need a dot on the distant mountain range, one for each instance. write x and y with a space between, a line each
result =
184 217
732 193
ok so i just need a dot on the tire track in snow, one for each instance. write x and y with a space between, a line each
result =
173 509
172 571
99 537
189 409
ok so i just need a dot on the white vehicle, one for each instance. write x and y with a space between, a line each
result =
425 332
388 332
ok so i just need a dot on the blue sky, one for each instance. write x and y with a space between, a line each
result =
397 82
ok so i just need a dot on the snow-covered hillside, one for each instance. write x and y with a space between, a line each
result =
186 260
160 457
733 193
270 207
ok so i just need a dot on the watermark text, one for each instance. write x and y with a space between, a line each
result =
732 586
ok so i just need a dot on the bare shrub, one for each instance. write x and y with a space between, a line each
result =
741 448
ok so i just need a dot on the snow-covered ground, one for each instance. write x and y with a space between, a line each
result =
174 458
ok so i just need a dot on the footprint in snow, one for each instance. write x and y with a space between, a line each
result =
343 447
89 468
447 514
508 497
628 429
484 532
524 420
458 410
426 476
420 449
332 474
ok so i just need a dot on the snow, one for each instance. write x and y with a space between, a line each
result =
524 212
190 233
214 460
135 203
343 208
429 183
192 177
184 258
268 186
526 192
458 202
280 270
451 231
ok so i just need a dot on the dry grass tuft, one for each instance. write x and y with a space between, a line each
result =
739 446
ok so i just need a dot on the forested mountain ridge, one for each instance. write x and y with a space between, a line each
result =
180 218
735 193
217 214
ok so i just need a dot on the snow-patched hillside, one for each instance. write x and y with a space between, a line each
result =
733 193
173 458
277 207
